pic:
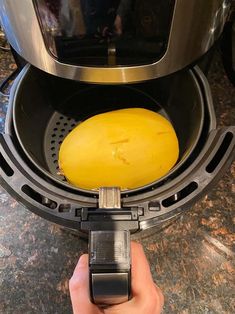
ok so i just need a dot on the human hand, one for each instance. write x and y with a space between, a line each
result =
147 298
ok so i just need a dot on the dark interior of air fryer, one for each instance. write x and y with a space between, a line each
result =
61 104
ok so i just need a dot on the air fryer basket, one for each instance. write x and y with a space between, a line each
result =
62 104
41 103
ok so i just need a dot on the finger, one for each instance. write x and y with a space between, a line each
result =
141 277
143 286
79 289
160 296
147 298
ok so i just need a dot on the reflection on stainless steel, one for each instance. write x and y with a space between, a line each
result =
88 28
112 54
218 22
3 41
119 292
71 18
196 24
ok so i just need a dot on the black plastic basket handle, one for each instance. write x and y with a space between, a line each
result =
110 267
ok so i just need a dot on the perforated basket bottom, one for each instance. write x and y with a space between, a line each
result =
58 128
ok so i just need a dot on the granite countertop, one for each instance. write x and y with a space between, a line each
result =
192 260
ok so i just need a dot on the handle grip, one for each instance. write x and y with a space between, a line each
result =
109 267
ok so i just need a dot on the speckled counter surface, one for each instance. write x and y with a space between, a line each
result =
193 260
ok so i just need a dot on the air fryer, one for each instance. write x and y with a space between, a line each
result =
133 52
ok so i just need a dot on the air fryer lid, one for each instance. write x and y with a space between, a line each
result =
118 41
62 104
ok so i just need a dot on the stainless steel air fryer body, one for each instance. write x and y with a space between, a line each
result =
118 41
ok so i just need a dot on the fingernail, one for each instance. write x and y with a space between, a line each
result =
83 260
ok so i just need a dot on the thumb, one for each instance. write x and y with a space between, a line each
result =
79 289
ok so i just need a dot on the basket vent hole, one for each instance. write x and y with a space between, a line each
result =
55 129
213 164
64 208
154 206
58 123
37 197
62 130
175 198
5 166
61 117
52 148
53 135
65 124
